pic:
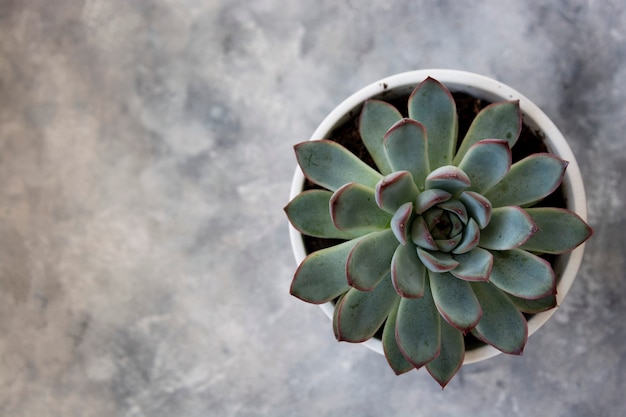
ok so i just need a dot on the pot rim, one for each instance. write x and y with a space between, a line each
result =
486 88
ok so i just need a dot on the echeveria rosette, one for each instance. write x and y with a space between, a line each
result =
439 240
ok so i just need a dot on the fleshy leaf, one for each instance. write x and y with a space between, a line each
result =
322 274
474 265
394 190
418 329
470 239
360 314
330 165
502 120
353 207
486 163
370 259
407 150
509 228
456 207
420 234
395 358
437 261
400 222
430 198
446 245
529 180
455 301
478 207
502 325
522 274
534 306
432 105
308 213
560 230
451 356
448 178
376 119
407 272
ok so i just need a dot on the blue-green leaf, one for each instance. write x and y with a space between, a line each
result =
508 228
534 306
451 356
370 259
478 207
436 261
560 230
376 119
408 274
529 180
522 274
420 234
470 239
455 301
432 105
322 275
502 120
330 165
406 149
486 163
395 358
448 178
308 212
418 329
430 198
353 207
360 314
394 190
502 325
474 265
400 222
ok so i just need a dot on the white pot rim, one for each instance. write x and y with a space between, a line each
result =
487 89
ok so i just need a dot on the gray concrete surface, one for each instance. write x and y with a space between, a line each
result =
145 157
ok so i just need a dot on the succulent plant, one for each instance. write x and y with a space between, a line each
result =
438 240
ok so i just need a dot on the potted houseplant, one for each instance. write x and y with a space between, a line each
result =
439 244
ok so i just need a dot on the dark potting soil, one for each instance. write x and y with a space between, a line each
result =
468 107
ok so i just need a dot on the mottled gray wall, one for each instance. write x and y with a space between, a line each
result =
145 157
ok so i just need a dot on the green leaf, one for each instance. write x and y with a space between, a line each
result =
474 265
370 259
436 261
528 181
376 119
534 306
353 207
394 190
330 165
430 198
508 228
418 329
432 105
502 120
322 275
360 314
448 178
420 234
451 356
560 230
400 222
408 274
308 212
486 163
502 325
470 239
455 300
406 149
522 274
478 207
395 358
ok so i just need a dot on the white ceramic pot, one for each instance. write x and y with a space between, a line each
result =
479 86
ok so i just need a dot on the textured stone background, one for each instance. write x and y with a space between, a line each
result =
145 157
